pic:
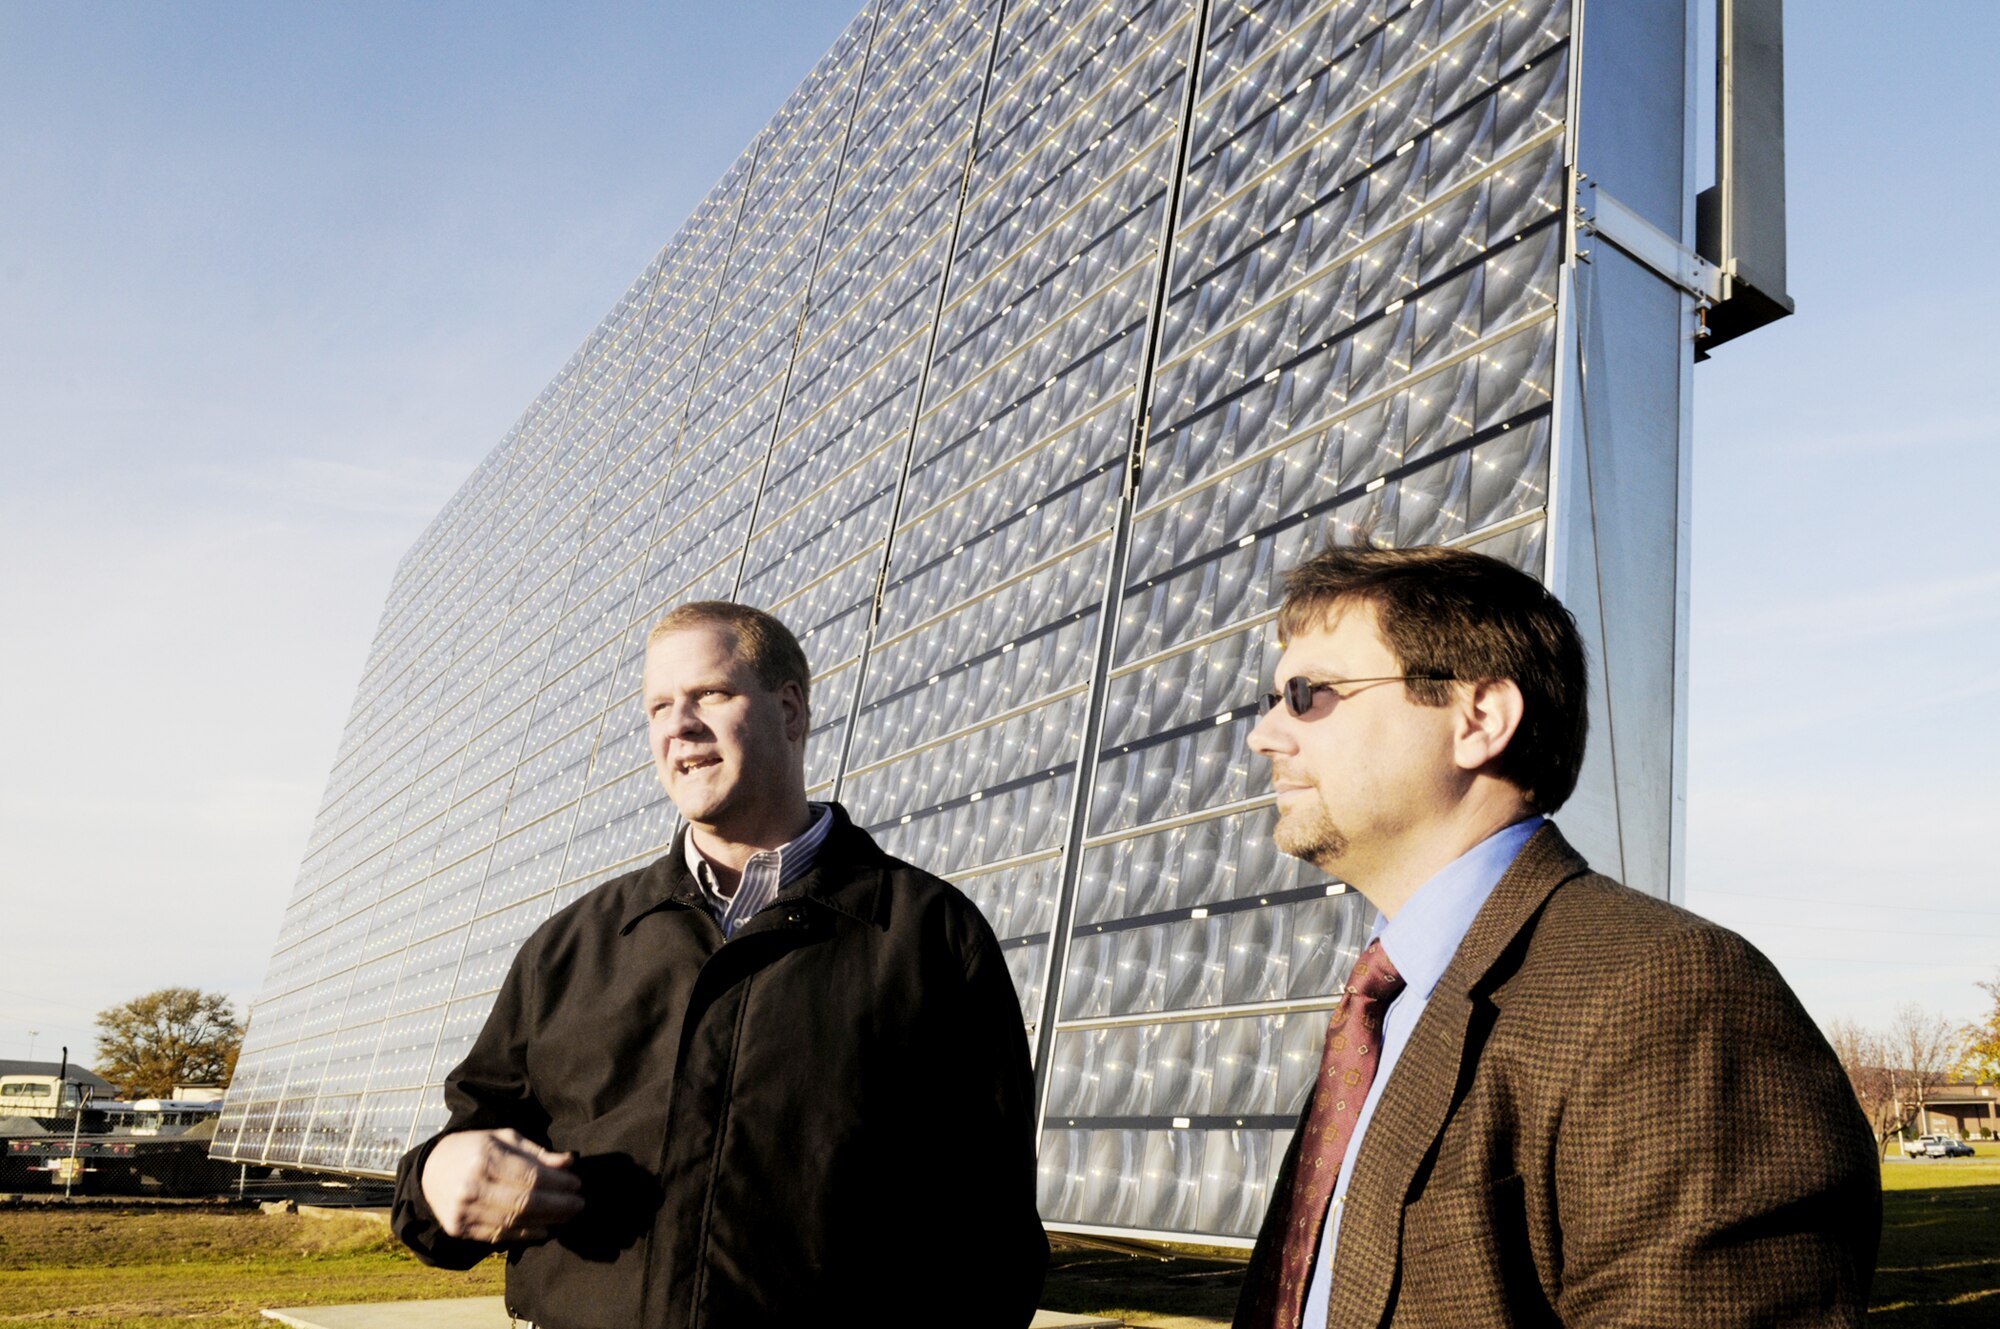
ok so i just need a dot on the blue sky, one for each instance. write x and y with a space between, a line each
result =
274 278
1846 588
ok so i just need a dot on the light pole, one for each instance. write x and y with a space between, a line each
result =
75 1134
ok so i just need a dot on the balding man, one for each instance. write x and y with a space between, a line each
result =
777 1077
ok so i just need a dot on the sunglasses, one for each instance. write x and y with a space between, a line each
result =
1301 693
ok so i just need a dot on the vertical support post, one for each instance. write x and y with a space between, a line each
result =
75 1137
1620 474
1116 563
1740 219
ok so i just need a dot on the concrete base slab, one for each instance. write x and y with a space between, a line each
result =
336 1212
446 1313
491 1313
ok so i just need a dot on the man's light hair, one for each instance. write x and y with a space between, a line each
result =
762 642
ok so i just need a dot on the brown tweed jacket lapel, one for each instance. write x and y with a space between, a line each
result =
1430 1077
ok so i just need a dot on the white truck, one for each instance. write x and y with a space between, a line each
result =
1936 1146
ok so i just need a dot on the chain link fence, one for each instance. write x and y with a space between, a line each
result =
73 1154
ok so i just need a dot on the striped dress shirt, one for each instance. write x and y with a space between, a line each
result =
768 872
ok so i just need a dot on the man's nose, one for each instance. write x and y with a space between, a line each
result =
683 720
1265 736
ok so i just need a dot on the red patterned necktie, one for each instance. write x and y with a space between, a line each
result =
1346 1069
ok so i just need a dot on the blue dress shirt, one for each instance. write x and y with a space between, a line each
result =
1420 941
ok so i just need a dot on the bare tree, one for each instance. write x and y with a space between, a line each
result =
1877 1085
1930 1048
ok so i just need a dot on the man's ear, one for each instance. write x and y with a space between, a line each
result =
1488 715
792 699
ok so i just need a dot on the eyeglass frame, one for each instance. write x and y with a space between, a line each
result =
1299 686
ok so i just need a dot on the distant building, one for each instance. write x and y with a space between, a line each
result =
1010 365
1962 1108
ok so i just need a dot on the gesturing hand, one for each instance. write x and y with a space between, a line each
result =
499 1187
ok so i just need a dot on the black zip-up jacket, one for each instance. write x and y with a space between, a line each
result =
825 1119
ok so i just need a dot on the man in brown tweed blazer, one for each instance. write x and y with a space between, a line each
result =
1566 1067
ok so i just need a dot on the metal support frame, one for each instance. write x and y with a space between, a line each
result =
1601 215
1632 296
1740 219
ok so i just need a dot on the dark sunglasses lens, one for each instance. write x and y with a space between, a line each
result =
1299 695
1267 702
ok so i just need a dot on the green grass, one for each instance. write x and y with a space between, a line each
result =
1939 1267
1940 1263
129 1268
109 1268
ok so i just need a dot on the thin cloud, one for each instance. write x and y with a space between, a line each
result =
1884 841
412 488
1922 605
1771 718
1820 445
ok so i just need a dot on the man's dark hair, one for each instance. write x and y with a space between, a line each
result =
762 642
1471 618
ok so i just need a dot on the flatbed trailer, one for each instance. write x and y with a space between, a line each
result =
117 1164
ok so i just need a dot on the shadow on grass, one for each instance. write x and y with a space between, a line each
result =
1940 1262
1939 1269
1087 1280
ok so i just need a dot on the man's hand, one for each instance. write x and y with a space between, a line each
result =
498 1187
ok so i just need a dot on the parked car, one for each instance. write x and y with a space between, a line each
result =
1936 1146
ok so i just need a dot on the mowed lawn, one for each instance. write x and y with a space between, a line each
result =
1940 1261
101 1268
105 1268
1939 1265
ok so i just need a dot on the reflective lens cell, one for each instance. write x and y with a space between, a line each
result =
1235 1182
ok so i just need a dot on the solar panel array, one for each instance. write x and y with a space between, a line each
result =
1010 366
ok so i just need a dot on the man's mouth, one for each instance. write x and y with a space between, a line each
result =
688 765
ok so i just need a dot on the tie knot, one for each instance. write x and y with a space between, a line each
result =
1375 976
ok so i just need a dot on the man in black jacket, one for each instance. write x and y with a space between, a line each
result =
776 1077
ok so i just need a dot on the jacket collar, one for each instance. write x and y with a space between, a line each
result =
846 877
1544 863
1430 1076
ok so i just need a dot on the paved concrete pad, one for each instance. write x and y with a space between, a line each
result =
491 1313
446 1313
364 1213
